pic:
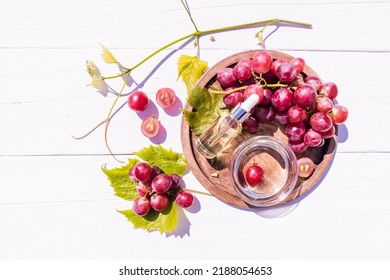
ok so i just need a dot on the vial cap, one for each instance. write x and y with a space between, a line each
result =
250 102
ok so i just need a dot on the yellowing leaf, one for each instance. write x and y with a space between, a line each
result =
108 56
169 161
207 108
190 69
120 181
165 221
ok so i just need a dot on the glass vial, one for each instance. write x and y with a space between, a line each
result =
224 129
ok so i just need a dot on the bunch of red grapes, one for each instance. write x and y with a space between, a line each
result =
156 189
304 104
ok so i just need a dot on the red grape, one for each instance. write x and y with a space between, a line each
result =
246 61
312 138
150 127
264 114
281 117
286 72
154 171
298 146
295 131
313 81
175 181
141 206
165 97
159 201
324 104
242 71
305 167
275 65
225 77
320 122
305 96
161 183
142 171
184 199
329 133
254 175
254 89
142 190
233 99
339 114
282 99
298 63
261 62
250 125
296 114
138 101
267 96
132 175
329 90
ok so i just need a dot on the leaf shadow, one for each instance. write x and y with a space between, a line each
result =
184 225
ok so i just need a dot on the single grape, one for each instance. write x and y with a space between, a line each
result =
242 71
313 81
305 167
305 96
339 114
261 62
138 101
159 201
265 114
296 114
165 97
233 99
275 65
161 183
286 72
281 117
329 90
142 190
298 146
254 89
141 206
295 131
312 138
142 171
176 179
225 77
329 133
267 97
298 63
246 61
184 199
324 104
154 171
320 122
282 99
150 127
254 175
132 175
250 125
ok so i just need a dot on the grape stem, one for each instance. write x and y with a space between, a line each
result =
198 192
226 92
199 33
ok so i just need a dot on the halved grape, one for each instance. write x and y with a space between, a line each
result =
165 97
305 167
150 127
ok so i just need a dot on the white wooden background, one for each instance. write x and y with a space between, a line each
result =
55 203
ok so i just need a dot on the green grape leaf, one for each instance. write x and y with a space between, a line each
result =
207 108
120 181
165 221
169 161
190 69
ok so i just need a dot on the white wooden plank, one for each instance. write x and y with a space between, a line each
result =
137 24
47 213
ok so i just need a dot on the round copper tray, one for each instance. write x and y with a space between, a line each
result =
220 186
